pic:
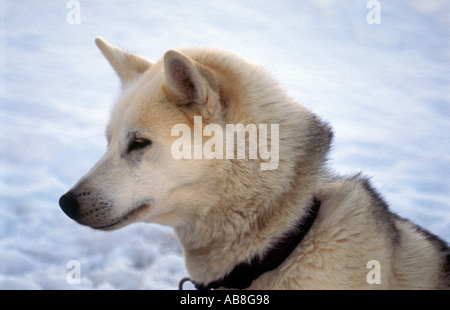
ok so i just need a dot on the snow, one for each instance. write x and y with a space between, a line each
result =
384 87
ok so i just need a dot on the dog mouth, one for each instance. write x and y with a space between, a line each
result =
133 216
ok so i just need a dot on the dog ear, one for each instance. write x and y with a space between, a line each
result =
183 80
127 65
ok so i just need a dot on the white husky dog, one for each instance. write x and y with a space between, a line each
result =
293 225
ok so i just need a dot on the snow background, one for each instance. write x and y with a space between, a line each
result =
385 88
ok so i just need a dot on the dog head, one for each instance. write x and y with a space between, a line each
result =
139 179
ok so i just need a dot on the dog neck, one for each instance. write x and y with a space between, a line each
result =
244 273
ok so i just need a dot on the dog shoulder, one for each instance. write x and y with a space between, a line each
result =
351 196
415 258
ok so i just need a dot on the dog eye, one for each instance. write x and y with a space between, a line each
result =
138 143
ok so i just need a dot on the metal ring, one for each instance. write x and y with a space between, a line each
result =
182 281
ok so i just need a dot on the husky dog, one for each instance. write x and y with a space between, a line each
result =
293 225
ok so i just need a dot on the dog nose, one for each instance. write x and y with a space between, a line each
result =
69 205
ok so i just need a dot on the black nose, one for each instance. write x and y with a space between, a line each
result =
69 205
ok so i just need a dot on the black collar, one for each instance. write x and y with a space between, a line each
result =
243 274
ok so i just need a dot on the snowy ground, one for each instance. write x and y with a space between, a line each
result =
384 87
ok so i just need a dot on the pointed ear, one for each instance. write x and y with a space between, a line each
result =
127 66
183 79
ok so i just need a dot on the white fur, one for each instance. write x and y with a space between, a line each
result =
228 211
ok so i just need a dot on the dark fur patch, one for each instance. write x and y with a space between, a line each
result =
382 213
443 249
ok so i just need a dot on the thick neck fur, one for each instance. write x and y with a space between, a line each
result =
232 233
251 208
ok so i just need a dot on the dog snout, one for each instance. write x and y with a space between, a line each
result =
70 205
